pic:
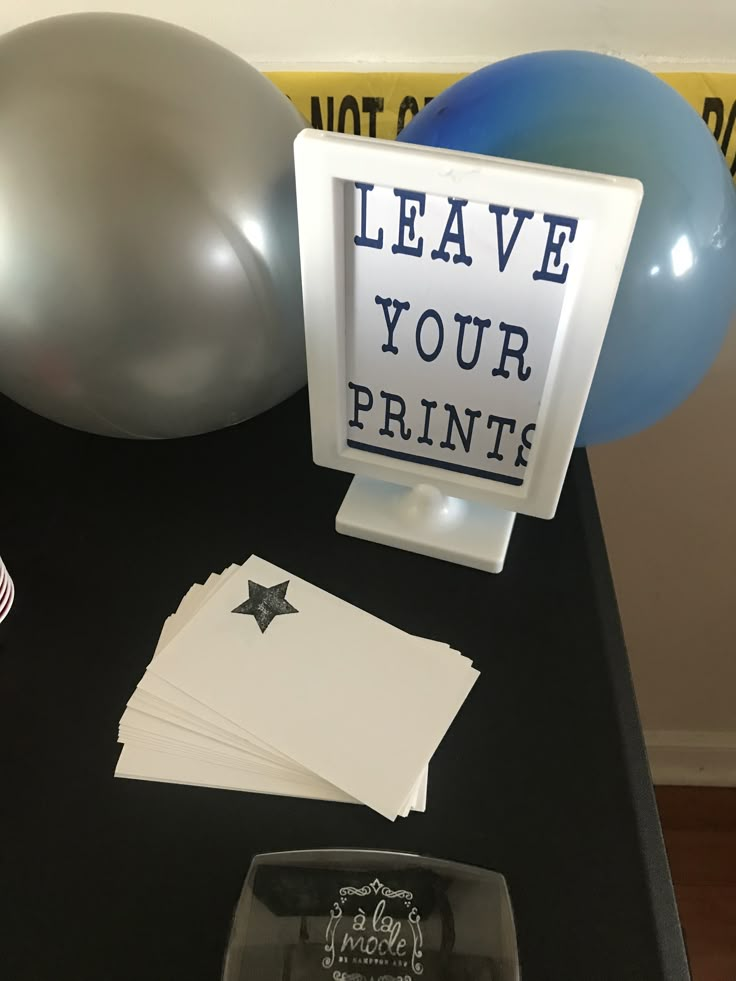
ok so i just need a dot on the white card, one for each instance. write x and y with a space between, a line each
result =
147 764
151 731
389 700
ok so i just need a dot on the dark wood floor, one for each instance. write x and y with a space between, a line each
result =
699 826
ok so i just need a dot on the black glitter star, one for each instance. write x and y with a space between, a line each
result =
266 602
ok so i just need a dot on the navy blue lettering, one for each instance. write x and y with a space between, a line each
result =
521 460
462 324
509 331
362 239
553 249
456 237
427 315
359 406
502 423
394 415
407 220
504 254
391 321
428 407
453 422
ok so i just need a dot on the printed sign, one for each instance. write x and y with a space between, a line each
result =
452 311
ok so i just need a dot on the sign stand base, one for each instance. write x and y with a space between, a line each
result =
422 519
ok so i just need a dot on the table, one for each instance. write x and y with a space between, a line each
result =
543 776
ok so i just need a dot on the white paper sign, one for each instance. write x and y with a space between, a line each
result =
452 311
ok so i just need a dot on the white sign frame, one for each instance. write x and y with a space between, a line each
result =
608 205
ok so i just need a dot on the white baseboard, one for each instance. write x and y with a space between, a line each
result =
692 758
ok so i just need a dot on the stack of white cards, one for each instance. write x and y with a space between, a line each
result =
262 682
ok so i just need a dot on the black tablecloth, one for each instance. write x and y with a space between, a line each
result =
542 777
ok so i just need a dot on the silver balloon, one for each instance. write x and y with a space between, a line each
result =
149 265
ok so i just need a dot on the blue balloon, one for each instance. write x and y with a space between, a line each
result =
678 290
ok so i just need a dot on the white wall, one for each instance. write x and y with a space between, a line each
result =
672 539
433 32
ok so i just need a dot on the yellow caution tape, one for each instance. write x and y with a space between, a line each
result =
382 103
